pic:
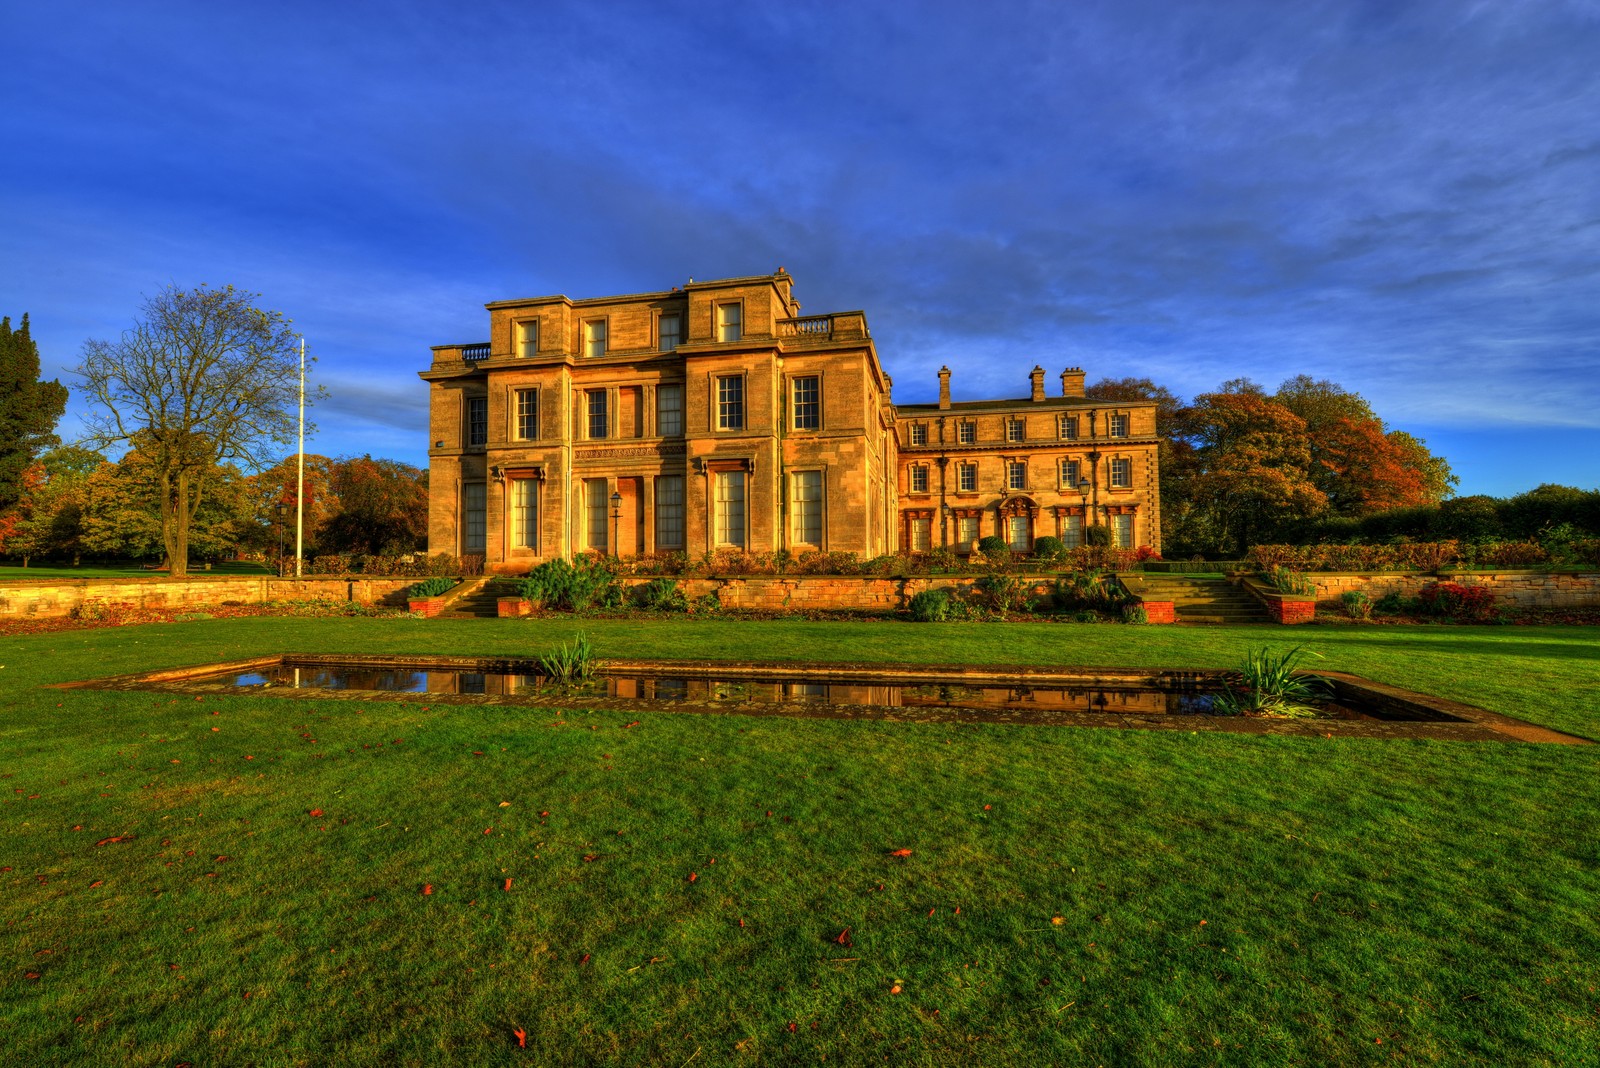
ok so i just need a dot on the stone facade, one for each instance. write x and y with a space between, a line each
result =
715 415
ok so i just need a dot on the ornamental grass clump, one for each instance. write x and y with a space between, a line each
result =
1356 604
1287 581
572 664
1268 684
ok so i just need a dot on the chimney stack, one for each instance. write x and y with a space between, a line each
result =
944 388
1072 382
1036 378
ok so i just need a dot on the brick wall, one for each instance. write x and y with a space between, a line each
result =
47 600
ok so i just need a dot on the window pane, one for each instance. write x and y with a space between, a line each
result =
669 409
477 420
524 514
807 404
730 403
919 433
728 322
669 512
594 338
921 535
1069 427
967 478
1019 534
597 413
527 339
1122 473
1014 430
474 495
669 332
1119 426
807 507
919 480
968 433
1017 476
595 504
1122 531
527 414
1069 474
967 530
730 508
1072 533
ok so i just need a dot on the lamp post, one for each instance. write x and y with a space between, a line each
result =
616 521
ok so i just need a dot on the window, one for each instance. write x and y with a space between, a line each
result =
967 432
729 528
919 479
807 403
1017 475
669 512
1121 473
1017 534
1069 474
919 433
1122 531
921 535
528 338
669 409
1013 429
967 478
1117 426
527 414
671 332
597 413
524 514
806 507
595 502
477 420
730 402
473 496
594 337
967 530
1069 427
729 322
1072 532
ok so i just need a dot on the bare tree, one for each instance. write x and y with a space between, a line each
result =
203 378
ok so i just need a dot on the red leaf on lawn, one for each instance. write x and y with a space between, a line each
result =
427 888
844 938
314 812
792 1027
79 827
986 808
488 830
585 959
693 876
96 883
900 853
591 857
508 884
635 723
741 923
522 1038
116 838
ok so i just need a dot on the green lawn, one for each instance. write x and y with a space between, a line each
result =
1221 898
13 573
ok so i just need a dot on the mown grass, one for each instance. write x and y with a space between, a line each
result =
1222 899
14 573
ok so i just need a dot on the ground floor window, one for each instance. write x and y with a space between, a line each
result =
524 514
729 526
967 530
1017 534
921 535
1072 531
595 512
473 498
1122 531
806 507
669 512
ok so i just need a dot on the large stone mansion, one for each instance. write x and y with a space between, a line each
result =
715 415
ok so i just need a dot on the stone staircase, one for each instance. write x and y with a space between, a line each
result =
1204 599
477 600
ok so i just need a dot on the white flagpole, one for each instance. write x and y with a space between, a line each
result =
300 495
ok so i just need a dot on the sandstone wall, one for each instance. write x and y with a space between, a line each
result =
1525 589
44 600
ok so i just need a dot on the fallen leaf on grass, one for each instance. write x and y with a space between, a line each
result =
895 989
844 938
314 813
522 1038
1058 920
900 853
427 888
693 876
508 884
116 838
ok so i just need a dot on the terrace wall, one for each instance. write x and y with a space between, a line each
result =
832 593
1525 589
46 600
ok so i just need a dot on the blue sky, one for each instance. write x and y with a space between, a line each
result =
1402 197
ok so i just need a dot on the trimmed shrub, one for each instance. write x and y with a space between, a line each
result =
437 586
661 595
1097 536
1356 604
995 548
1454 601
930 606
1135 613
573 587
1048 548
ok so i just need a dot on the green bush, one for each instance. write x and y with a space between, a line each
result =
1049 548
931 606
1135 613
1005 593
1097 536
1094 590
661 595
1270 685
1356 604
1393 603
1292 582
995 548
557 584
436 586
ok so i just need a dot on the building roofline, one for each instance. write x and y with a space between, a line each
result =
715 283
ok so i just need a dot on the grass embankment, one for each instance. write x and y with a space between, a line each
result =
13 573
1221 898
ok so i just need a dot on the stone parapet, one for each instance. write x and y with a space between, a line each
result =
1524 589
53 600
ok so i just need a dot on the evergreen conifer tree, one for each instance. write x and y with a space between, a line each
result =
29 409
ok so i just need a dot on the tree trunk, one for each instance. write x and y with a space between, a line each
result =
180 528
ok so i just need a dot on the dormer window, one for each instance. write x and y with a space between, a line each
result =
919 433
730 321
671 332
528 338
1014 430
594 337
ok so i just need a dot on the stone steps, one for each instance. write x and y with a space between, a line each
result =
1198 600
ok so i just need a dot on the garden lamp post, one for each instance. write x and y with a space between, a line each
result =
616 522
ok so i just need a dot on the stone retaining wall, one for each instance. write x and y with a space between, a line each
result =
1525 589
829 593
45 600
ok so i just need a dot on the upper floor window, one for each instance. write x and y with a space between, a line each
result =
919 479
1069 474
594 337
1017 475
1014 430
477 420
1121 473
669 409
967 478
730 402
967 432
807 403
1068 427
919 433
1117 425
730 324
598 423
528 338
671 332
527 414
